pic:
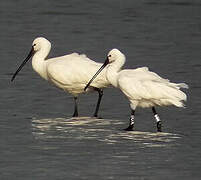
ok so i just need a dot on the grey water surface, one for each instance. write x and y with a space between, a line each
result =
39 139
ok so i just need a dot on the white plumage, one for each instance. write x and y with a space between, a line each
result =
146 89
142 87
70 72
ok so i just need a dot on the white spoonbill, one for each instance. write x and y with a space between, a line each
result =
70 72
142 87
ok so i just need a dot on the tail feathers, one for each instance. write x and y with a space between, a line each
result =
177 103
183 85
178 85
176 96
172 95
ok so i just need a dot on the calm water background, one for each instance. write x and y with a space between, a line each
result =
39 141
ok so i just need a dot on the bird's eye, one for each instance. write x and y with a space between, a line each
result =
34 45
109 55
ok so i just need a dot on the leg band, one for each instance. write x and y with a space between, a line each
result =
157 118
132 119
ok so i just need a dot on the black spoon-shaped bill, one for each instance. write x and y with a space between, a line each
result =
23 63
101 68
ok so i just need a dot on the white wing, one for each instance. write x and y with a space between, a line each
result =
142 85
74 71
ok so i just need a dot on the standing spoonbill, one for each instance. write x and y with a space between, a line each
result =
70 72
142 87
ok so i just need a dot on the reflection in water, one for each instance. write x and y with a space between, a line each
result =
102 130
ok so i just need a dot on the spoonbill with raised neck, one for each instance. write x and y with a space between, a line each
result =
70 72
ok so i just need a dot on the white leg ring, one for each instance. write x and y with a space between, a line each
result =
157 118
132 120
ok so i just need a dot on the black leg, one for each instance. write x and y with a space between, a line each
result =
100 94
75 114
158 121
131 123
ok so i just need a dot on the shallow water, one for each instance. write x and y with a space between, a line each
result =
39 140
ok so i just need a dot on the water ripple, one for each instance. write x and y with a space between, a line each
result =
102 130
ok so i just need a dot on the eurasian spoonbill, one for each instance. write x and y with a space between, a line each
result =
70 72
142 87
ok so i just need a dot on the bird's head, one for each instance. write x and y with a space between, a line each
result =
114 56
37 45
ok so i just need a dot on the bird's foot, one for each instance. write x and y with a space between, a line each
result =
129 128
159 126
75 114
97 117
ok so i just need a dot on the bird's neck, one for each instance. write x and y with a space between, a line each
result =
39 62
112 72
112 76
